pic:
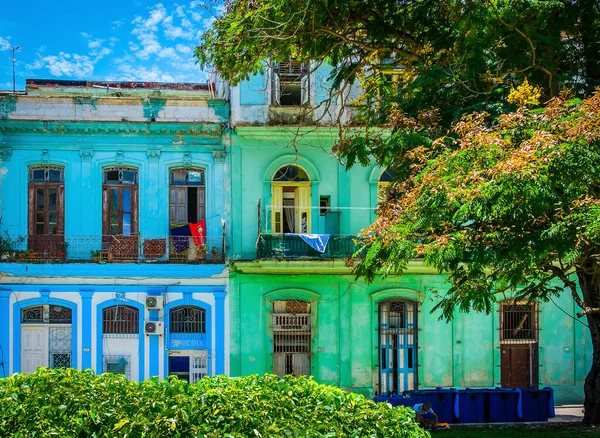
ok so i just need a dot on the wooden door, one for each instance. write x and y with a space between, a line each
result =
519 365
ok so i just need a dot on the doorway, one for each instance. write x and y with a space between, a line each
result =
191 365
519 346
46 337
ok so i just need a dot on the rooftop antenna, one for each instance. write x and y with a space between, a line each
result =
13 49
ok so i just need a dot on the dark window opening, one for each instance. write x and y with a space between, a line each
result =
290 83
324 203
186 196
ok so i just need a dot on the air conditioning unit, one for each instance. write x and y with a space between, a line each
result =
154 303
154 328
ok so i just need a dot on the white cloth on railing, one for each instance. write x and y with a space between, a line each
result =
318 242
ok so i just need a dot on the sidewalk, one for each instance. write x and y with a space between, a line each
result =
567 414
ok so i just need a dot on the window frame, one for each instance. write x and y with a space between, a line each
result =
120 186
33 199
174 189
177 325
129 326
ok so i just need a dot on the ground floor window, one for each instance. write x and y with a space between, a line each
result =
519 358
397 331
292 338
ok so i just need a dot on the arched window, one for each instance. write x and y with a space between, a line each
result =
46 209
119 201
290 194
187 198
384 182
120 320
187 319
397 331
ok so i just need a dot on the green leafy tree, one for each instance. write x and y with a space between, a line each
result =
503 198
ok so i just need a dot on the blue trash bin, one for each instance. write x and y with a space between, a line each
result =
504 405
442 402
535 404
550 391
471 405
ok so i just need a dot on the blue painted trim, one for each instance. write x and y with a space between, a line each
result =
220 331
86 328
5 332
19 305
154 347
99 344
112 289
111 270
189 301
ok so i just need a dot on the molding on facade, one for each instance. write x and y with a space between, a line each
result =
5 153
219 156
212 130
45 156
120 158
86 154
291 132
322 267
153 155
187 159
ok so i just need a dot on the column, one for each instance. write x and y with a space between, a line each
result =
86 328
220 331
5 333
154 355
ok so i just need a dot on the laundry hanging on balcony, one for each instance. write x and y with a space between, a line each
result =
180 238
198 231
318 242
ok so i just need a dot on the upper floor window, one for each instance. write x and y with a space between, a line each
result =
383 184
119 201
187 319
187 196
46 200
290 83
291 200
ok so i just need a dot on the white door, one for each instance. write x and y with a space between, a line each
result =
34 348
198 365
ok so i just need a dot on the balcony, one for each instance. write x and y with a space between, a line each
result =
291 246
111 249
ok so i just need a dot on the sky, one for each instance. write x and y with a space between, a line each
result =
126 40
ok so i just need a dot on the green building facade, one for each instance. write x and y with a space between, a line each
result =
296 310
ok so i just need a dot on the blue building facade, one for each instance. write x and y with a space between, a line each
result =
114 225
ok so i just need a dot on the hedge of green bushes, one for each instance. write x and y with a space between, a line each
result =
71 403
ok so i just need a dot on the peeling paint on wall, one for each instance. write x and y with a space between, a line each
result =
8 104
86 100
152 106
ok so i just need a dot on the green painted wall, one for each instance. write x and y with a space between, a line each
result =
462 353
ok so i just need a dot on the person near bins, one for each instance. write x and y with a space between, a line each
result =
425 415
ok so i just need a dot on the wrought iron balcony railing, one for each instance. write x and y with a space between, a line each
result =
291 246
98 248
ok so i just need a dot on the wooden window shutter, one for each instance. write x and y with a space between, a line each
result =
277 209
105 211
60 210
201 193
302 196
31 196
134 209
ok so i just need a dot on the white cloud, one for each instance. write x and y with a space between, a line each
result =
182 48
117 23
66 64
168 52
145 31
4 44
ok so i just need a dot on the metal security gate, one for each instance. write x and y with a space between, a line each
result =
291 338
189 365
397 346
46 337
519 336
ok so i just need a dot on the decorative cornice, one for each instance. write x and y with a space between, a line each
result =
153 155
219 156
5 154
45 156
206 130
86 154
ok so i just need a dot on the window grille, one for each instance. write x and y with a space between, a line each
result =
290 173
46 174
120 320
60 345
187 319
397 346
46 314
518 323
291 337
117 364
